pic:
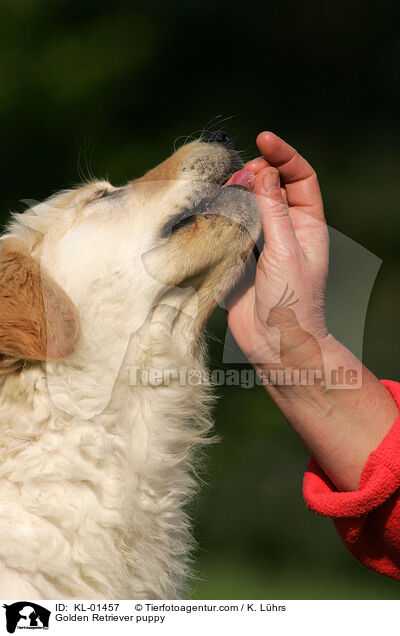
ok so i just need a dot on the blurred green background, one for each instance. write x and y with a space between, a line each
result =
105 88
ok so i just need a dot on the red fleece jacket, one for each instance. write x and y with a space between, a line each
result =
368 519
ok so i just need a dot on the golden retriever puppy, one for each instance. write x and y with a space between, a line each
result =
104 295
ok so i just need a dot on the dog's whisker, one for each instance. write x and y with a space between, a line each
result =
193 136
221 120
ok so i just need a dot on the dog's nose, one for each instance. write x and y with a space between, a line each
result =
219 137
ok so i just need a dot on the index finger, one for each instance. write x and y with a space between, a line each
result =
296 173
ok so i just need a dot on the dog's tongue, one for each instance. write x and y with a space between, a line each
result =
243 177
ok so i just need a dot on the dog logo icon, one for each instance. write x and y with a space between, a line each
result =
26 615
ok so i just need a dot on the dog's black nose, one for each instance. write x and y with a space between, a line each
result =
219 137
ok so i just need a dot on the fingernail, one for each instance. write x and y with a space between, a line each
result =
271 180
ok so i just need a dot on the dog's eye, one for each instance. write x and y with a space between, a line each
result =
186 217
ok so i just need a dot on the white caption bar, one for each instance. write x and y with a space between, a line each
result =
311 618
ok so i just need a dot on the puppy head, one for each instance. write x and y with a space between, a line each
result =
87 267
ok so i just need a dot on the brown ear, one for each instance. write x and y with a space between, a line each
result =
38 321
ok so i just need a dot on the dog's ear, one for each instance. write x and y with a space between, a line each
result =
38 321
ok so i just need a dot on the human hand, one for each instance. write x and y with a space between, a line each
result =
282 312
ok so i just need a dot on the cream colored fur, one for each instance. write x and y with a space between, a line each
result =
95 471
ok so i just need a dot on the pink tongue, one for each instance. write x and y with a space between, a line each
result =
243 177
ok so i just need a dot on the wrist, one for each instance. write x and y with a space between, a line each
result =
293 347
316 366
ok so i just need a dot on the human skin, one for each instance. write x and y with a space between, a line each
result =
280 316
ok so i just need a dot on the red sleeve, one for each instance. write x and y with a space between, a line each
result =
368 519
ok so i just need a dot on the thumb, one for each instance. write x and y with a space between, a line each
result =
275 219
